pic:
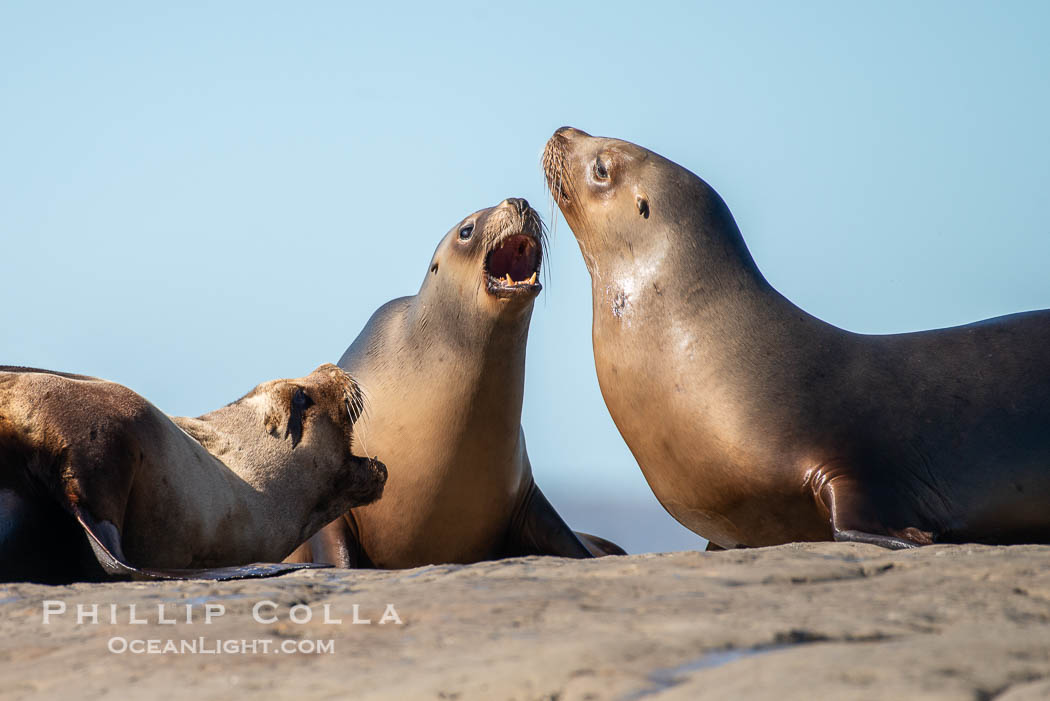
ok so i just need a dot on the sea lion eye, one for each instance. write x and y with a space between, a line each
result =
599 170
301 400
466 232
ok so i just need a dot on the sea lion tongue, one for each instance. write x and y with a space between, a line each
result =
515 260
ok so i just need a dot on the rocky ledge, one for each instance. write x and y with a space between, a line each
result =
798 621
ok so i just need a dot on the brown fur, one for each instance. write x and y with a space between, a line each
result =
231 487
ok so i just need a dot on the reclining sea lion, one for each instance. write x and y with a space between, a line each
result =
161 497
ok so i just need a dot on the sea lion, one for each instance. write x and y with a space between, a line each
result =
444 373
160 496
756 423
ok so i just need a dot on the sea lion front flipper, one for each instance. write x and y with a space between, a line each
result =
537 529
855 519
599 546
105 542
883 541
255 570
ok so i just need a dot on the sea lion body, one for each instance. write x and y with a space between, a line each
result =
756 423
155 493
443 373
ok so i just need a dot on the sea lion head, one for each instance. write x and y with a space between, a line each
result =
493 255
623 199
309 422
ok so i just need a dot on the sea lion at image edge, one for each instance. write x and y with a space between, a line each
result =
96 482
756 423
444 377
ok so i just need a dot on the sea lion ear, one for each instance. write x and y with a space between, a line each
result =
300 402
643 204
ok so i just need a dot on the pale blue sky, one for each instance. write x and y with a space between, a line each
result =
198 199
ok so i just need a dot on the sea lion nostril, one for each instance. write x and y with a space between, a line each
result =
520 204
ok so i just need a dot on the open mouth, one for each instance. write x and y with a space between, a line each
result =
513 266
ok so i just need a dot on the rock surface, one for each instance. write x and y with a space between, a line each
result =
798 621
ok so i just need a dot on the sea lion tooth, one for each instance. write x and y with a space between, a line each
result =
903 439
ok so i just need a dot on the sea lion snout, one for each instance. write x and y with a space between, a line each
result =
520 204
343 394
568 132
378 475
366 480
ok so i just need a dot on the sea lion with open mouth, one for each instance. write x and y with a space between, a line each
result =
164 497
445 376
756 423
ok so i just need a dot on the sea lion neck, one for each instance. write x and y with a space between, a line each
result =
454 310
435 352
647 226
667 268
235 437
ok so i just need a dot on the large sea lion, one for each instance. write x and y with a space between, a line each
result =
444 375
158 496
756 423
